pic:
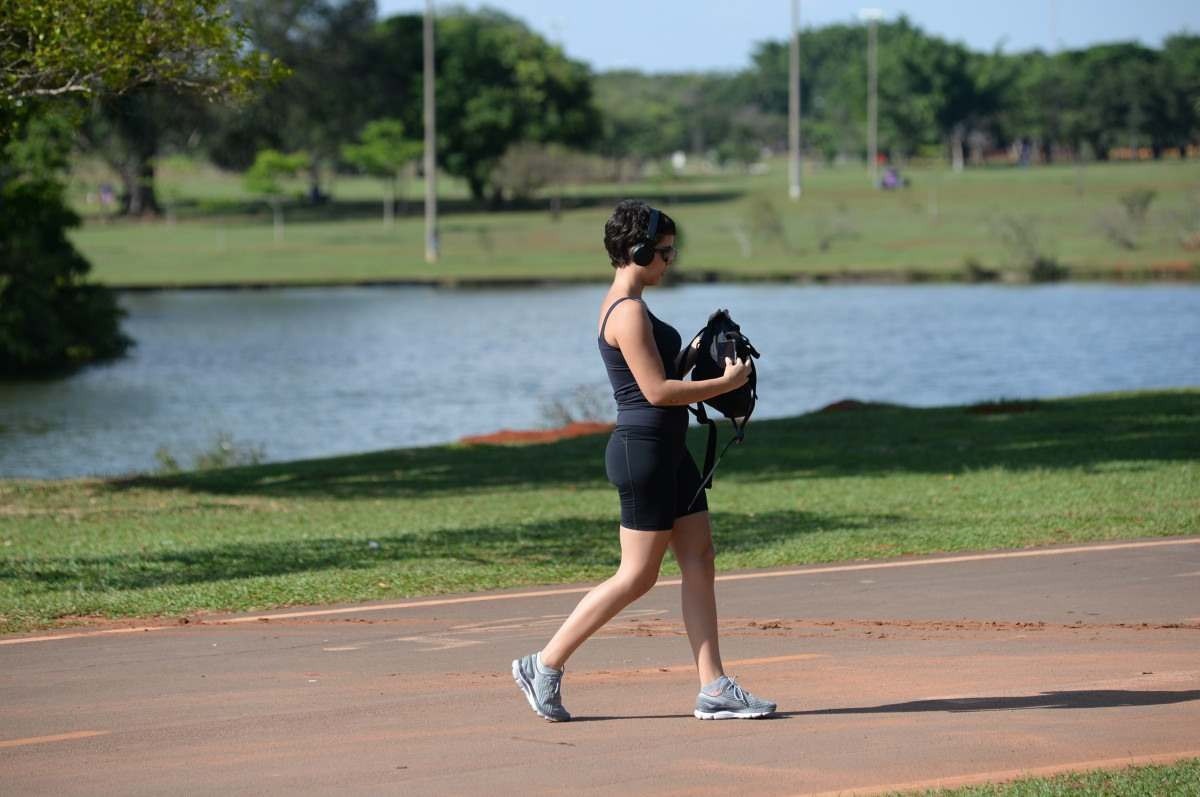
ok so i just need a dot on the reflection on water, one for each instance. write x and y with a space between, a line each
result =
312 372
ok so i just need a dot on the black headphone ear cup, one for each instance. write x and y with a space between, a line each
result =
643 255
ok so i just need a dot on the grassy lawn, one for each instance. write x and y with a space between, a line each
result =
877 482
738 226
1173 780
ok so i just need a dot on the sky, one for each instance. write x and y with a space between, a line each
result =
703 35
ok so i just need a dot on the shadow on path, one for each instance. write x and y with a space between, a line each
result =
1098 698
1091 698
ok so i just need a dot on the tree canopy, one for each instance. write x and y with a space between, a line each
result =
933 95
384 151
498 83
89 47
325 100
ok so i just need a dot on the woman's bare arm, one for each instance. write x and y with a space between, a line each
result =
634 335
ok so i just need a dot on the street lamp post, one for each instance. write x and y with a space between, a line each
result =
431 235
794 188
872 16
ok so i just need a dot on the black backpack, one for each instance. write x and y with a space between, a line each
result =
705 357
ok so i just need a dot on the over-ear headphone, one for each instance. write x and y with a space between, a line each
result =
643 254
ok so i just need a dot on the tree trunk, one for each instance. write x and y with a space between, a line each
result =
389 205
402 200
976 148
138 198
314 182
477 187
956 149
277 209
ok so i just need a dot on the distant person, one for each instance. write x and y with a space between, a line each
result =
316 196
649 464
108 197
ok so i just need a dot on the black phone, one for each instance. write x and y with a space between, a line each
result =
727 348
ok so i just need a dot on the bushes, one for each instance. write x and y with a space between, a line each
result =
50 319
1125 230
1028 249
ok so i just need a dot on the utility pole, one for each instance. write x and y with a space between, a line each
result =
872 15
431 235
794 189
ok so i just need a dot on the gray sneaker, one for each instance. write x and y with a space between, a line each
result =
541 690
725 700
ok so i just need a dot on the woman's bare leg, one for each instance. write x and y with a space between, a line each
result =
691 542
641 556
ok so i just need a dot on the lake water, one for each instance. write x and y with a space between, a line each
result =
312 372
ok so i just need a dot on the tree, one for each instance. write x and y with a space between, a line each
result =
498 83
1179 80
87 48
383 151
53 53
526 168
325 101
650 116
832 86
264 177
642 115
1113 95
130 131
1037 104
50 319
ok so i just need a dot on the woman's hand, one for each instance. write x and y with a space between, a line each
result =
737 372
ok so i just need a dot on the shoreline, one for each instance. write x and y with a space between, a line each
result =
582 428
1165 273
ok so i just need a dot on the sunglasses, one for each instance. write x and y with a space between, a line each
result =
667 253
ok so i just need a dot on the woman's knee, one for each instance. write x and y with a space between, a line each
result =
636 582
692 545
641 558
702 563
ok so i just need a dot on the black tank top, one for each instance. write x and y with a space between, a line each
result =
632 407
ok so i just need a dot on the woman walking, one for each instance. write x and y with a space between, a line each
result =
649 464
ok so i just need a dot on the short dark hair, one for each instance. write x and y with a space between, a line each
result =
626 228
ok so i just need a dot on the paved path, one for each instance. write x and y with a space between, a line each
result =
917 672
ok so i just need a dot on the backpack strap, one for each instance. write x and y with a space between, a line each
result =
686 359
711 460
684 362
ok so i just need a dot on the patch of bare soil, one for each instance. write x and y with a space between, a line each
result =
526 436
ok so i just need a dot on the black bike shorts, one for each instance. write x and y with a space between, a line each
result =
655 475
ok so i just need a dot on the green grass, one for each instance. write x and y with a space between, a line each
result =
1181 779
878 482
738 226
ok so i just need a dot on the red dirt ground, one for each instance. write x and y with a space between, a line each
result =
904 674
510 436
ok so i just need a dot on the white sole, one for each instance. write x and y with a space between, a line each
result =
728 715
527 690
